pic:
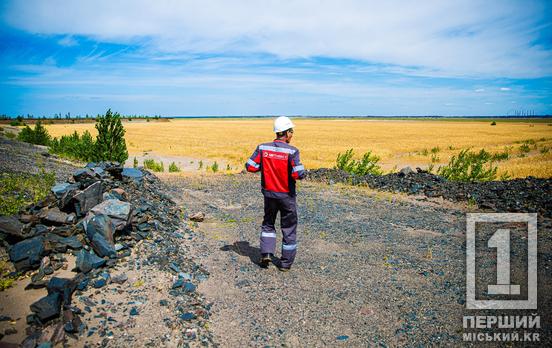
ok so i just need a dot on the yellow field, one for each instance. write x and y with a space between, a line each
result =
399 143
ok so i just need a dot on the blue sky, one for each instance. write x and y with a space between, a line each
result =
273 57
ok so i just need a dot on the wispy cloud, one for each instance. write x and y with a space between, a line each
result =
451 38
247 57
68 41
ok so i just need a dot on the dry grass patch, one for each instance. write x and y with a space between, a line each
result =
398 143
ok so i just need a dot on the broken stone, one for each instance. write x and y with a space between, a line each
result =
114 169
11 226
99 230
61 189
27 254
132 174
55 243
85 177
64 230
88 198
189 287
119 278
39 284
87 261
406 171
51 336
28 218
65 287
56 216
44 269
67 196
100 283
72 322
47 307
117 210
187 316
197 217
39 229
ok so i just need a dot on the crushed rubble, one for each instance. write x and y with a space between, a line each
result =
99 215
518 195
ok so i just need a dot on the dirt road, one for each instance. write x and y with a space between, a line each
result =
373 269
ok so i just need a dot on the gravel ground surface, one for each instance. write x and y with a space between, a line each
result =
19 157
373 268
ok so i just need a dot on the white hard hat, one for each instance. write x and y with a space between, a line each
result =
282 123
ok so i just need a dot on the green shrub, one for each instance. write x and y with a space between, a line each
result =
151 164
215 167
367 165
544 150
38 136
501 156
524 148
6 280
135 163
173 168
110 142
19 190
469 166
200 165
75 147
493 123
435 150
10 135
15 123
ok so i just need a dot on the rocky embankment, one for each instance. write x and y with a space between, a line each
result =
98 217
518 195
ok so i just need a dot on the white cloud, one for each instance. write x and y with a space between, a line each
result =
470 38
68 41
504 88
480 90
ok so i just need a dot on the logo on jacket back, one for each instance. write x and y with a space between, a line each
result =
275 155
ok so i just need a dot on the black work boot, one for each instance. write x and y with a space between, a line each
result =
282 268
266 259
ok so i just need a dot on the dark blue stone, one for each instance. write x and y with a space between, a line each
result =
189 287
187 316
87 261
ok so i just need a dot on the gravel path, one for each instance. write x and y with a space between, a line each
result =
372 268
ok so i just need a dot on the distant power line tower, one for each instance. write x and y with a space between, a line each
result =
522 113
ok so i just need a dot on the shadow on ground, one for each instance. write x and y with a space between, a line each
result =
243 248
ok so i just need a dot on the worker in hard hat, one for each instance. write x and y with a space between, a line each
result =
280 166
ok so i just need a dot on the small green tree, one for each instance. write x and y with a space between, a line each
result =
39 135
110 142
135 163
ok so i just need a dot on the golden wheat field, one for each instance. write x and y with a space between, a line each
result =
398 142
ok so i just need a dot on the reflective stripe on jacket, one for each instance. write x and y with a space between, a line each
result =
280 166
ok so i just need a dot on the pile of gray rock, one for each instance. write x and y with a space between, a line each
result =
519 195
98 216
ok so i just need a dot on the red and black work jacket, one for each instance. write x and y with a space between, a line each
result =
279 165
